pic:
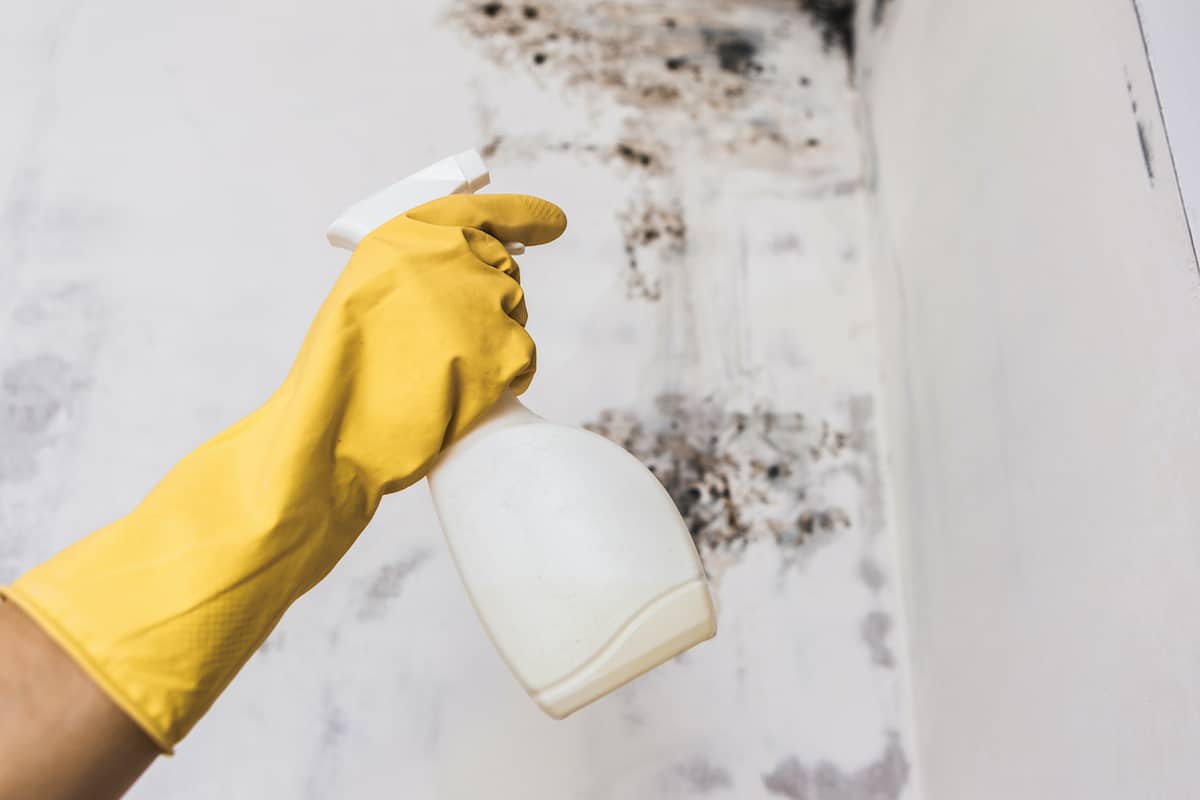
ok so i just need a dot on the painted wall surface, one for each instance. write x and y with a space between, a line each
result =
1170 28
166 176
1039 306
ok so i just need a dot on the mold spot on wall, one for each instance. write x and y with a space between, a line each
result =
37 394
879 11
741 476
882 779
835 20
735 50
726 72
875 629
1142 132
654 236
389 582
871 574
699 776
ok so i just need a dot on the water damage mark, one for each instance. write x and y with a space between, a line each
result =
741 476
882 779
389 582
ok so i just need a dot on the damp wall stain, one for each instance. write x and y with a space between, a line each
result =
882 779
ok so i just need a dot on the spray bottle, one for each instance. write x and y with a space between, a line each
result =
574 555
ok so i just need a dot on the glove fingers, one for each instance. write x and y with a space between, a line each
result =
508 217
489 250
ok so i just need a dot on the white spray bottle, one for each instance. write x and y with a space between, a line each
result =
573 554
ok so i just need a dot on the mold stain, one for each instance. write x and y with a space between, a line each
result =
389 582
875 628
879 10
716 66
41 398
654 237
738 477
882 779
699 776
835 20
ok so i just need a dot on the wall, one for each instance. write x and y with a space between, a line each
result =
165 181
1038 302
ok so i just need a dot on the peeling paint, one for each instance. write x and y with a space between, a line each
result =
882 779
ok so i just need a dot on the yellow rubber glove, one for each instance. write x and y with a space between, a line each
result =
421 334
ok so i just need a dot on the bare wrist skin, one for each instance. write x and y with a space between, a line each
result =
61 737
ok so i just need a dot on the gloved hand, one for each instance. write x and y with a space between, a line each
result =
421 334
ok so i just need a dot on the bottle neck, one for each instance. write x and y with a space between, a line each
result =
506 413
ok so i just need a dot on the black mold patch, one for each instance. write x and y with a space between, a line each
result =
735 50
739 476
882 779
835 20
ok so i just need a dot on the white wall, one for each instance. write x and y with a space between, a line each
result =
1040 309
166 176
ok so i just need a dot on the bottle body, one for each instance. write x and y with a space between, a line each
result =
575 557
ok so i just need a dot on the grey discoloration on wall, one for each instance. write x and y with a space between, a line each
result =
389 582
738 476
1147 157
1142 132
875 629
51 335
879 10
882 779
329 749
42 393
871 574
699 776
